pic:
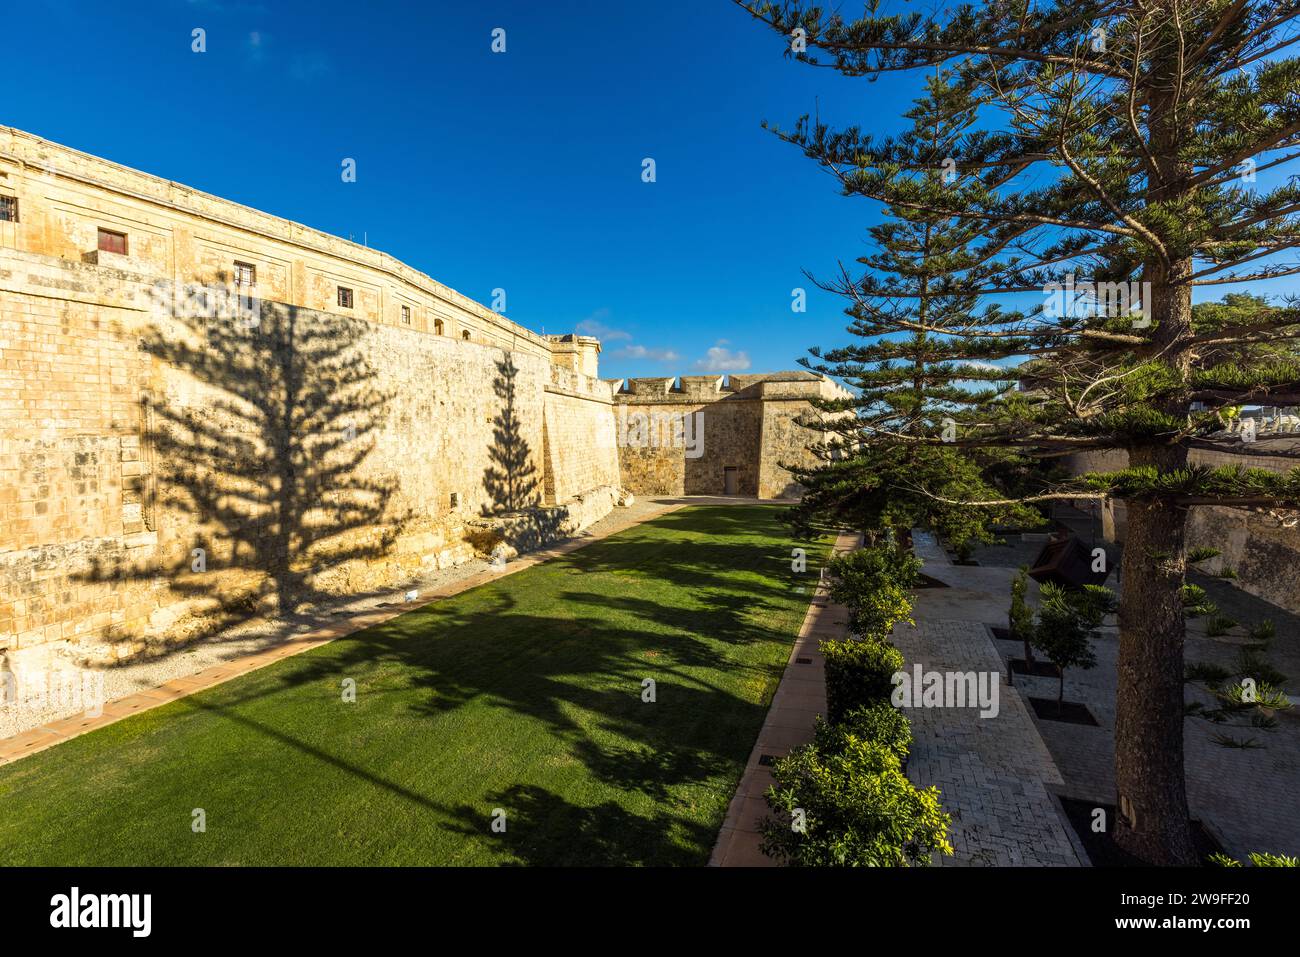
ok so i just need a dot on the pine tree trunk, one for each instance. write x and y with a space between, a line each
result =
1153 822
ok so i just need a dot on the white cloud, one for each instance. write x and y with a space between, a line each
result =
721 359
982 365
594 325
641 352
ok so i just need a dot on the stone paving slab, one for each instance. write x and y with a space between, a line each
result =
1246 796
790 720
993 772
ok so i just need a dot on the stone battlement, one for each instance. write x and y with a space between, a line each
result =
795 384
726 434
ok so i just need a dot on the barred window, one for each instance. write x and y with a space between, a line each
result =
437 326
8 209
112 242
345 297
406 315
245 275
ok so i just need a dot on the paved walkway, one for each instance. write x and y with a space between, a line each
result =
1247 797
994 772
54 732
799 698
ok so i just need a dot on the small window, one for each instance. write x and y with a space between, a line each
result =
406 315
112 242
245 275
465 334
437 326
455 500
345 297
8 209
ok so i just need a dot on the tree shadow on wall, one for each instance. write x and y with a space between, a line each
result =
511 479
258 447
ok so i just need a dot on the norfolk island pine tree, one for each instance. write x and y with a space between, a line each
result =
906 381
1121 144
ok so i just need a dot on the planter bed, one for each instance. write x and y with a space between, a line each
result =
1071 712
1101 848
1039 669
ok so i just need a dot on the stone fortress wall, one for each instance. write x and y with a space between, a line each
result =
729 435
171 462
1262 551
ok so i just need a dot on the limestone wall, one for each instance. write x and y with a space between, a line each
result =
310 454
579 438
1264 554
183 235
680 441
203 427
175 459
749 423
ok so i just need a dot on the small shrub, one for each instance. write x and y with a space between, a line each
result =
882 723
1262 696
858 673
858 808
1258 859
1240 744
1218 625
1209 674
1196 602
873 584
1252 664
1067 624
1261 634
1020 617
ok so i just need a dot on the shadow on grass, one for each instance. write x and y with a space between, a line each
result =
544 829
567 657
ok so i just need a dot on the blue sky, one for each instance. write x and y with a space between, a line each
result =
519 170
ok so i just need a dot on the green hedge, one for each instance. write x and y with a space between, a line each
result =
843 801
873 584
858 673
883 723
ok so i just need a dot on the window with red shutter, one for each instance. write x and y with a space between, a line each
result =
112 242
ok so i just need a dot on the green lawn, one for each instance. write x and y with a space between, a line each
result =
523 695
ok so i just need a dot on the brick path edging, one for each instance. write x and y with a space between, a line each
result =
799 699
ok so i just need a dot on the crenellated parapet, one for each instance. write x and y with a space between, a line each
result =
717 434
694 389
